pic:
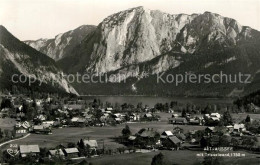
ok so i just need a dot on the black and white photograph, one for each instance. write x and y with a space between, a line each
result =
129 82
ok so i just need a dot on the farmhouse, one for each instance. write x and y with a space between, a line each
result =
22 127
132 138
167 133
179 120
134 117
239 128
148 115
47 123
56 153
147 133
40 129
29 149
41 117
210 130
71 152
91 143
181 136
175 115
109 109
171 142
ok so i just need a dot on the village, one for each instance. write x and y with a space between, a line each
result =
138 129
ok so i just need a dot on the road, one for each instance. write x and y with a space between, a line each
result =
15 140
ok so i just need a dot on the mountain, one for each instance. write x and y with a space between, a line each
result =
140 41
62 45
20 60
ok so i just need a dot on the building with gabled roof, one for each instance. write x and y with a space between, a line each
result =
29 149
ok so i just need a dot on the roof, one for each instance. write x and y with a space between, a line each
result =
24 149
38 127
74 119
25 124
148 115
132 138
238 126
71 150
91 143
56 152
168 133
174 139
181 136
117 119
211 128
147 133
214 118
109 109
179 119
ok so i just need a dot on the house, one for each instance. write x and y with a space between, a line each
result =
239 128
41 117
47 123
29 149
147 133
22 127
117 115
175 115
194 121
78 120
215 116
132 138
40 129
71 152
38 102
148 115
134 117
210 130
118 120
91 143
109 109
167 133
230 128
56 154
181 136
254 108
171 142
179 120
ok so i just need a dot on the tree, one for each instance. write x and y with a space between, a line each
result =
248 119
1 134
6 103
227 118
183 113
158 159
126 131
71 145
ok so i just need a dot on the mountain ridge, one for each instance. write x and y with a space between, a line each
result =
21 59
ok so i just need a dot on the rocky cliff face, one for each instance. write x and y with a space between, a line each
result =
139 35
18 58
140 40
62 45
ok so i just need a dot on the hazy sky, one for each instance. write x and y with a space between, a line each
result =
34 19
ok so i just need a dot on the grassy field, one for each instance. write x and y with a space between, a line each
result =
106 134
242 116
182 157
7 123
71 134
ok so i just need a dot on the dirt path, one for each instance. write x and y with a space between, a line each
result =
15 140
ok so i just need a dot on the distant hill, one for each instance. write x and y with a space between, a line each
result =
18 58
62 45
